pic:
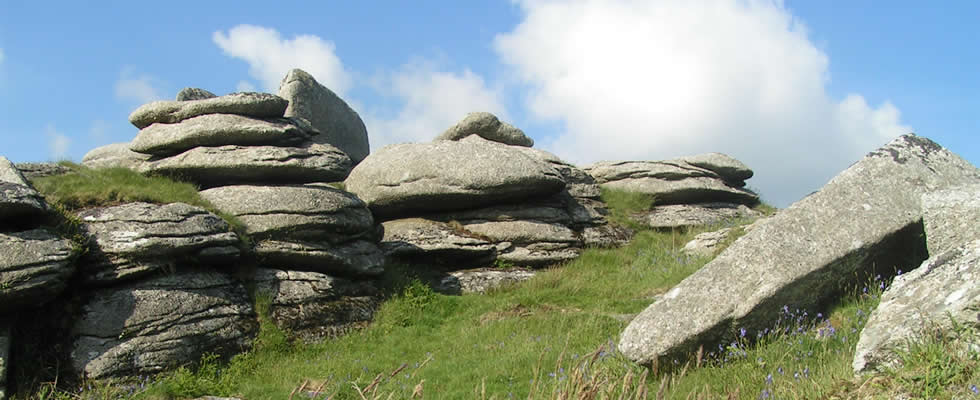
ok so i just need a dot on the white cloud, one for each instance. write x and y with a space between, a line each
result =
634 79
245 86
137 88
270 56
58 143
433 100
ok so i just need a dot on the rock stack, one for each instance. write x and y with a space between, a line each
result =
687 191
467 201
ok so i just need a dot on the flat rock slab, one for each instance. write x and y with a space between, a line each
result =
707 243
402 179
114 155
135 239
217 130
716 178
687 215
18 199
919 302
259 105
489 127
313 306
34 268
358 258
32 170
149 326
536 255
951 217
483 280
418 240
295 211
338 124
231 165
867 216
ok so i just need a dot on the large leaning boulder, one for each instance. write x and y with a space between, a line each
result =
259 105
34 268
149 326
339 125
402 179
314 306
867 216
943 287
17 198
487 126
135 239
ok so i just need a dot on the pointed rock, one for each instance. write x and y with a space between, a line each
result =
18 199
487 126
338 123
190 93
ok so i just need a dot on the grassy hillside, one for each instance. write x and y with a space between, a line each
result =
553 337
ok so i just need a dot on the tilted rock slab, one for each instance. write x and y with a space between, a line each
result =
149 326
231 165
17 197
338 123
866 216
717 178
357 258
114 155
295 211
951 217
686 215
135 239
920 302
190 93
403 179
314 306
34 268
487 126
259 105
436 243
482 280
217 130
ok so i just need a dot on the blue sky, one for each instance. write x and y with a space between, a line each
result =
797 90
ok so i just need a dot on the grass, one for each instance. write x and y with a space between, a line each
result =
554 337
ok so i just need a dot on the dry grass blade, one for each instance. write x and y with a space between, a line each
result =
417 392
662 390
299 389
373 387
397 370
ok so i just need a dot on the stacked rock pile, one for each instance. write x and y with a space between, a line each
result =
479 195
687 191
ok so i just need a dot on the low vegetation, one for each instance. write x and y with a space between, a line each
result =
553 337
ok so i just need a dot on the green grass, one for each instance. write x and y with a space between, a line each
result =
554 337
623 204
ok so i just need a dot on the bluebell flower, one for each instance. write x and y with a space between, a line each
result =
765 394
973 388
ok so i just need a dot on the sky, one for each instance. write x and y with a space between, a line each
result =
797 90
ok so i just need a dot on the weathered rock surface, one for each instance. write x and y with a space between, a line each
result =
403 179
190 93
358 258
313 306
217 130
32 170
296 211
951 217
18 198
146 327
114 155
230 165
135 239
259 105
482 280
866 216
34 268
433 242
487 126
4 358
339 125
920 302
715 178
706 244
687 215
